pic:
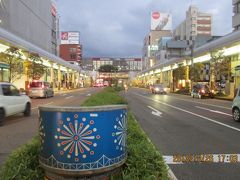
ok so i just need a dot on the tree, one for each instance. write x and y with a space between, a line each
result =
220 69
108 68
13 57
195 72
36 69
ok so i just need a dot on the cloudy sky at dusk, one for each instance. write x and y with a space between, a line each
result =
111 28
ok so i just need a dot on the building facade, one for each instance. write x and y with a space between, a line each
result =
33 21
71 53
196 24
236 15
70 48
123 64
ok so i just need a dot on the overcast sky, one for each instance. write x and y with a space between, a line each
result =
116 28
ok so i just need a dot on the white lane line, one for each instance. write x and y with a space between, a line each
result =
219 112
42 105
202 158
155 111
223 107
68 97
189 112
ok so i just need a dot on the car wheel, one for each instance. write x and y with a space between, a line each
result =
236 114
2 116
27 111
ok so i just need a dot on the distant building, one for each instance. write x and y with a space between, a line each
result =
196 24
70 48
236 15
123 64
33 21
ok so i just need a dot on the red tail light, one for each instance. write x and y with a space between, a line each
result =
28 86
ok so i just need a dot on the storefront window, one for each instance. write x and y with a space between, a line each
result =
4 72
5 75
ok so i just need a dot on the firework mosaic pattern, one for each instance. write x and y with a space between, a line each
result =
77 139
120 132
41 131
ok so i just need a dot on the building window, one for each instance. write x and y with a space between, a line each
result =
73 56
72 50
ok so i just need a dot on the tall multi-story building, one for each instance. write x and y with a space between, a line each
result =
33 21
236 15
70 48
196 24
161 26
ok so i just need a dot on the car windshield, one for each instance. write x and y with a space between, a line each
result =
36 84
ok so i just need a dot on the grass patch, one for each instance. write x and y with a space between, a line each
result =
106 97
144 161
23 163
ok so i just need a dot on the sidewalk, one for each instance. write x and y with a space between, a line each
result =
56 91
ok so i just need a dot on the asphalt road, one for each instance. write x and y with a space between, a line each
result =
18 130
187 127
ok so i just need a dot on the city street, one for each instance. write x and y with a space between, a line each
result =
181 125
18 130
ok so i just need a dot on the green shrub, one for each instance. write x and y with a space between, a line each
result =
106 97
23 163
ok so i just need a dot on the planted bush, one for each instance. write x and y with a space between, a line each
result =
23 163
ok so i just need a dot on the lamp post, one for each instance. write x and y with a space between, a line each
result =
192 63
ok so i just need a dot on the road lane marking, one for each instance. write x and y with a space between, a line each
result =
68 97
202 158
189 112
223 107
155 112
42 105
219 112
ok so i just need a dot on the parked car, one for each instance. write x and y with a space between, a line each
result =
158 89
12 101
40 89
236 106
201 90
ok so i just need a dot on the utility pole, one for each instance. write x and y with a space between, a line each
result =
192 63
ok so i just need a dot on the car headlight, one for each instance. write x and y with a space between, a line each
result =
156 89
165 89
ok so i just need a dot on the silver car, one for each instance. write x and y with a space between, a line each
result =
236 106
40 89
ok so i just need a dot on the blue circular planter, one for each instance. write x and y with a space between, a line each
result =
82 141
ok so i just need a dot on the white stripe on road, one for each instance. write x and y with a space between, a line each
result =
68 97
43 105
155 111
189 112
223 107
219 112
202 158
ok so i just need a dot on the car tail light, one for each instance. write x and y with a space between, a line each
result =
28 86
